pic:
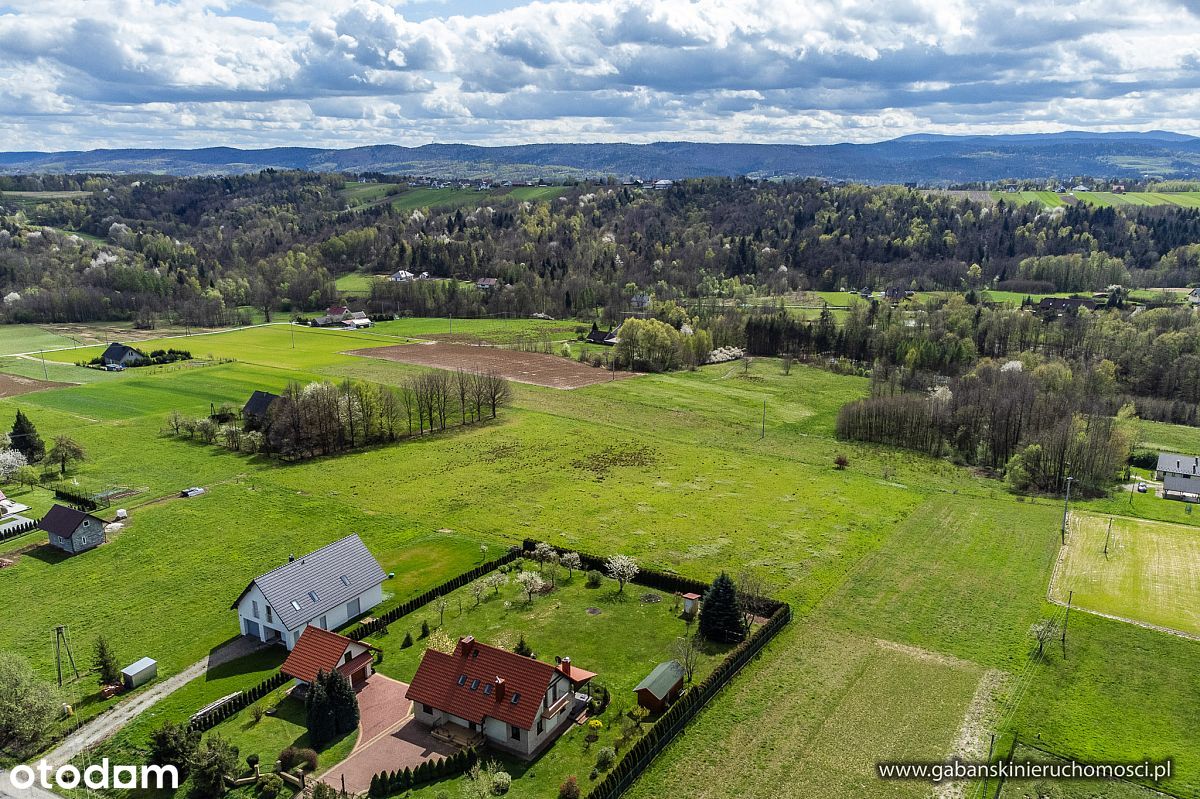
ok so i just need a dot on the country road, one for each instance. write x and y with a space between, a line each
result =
108 724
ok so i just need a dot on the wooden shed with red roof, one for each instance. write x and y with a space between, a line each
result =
321 650
516 703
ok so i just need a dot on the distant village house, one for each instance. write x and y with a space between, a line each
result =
117 354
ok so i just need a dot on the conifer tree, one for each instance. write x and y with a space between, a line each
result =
720 619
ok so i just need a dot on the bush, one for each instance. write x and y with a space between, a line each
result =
174 745
269 786
522 648
569 789
323 790
605 758
424 628
307 758
215 758
501 782
288 758
407 642
252 761
594 579
841 462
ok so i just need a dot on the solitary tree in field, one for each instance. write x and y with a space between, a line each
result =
25 439
104 661
622 568
1043 631
720 618
66 452
686 651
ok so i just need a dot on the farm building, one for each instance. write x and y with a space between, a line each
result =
1181 488
325 589
895 293
139 673
72 531
356 320
321 650
402 276
1061 304
254 412
486 283
598 336
1169 464
516 703
661 687
121 354
1194 296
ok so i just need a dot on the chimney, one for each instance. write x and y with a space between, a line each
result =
499 689
566 666
466 644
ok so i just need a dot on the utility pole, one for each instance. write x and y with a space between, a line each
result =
61 643
292 329
452 324
1066 618
1066 505
45 374
1106 537
764 422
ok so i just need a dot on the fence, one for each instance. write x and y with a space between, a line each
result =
18 529
88 502
387 783
212 718
638 757
402 610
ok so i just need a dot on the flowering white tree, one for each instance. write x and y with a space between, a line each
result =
531 583
543 553
571 561
622 568
496 580
11 462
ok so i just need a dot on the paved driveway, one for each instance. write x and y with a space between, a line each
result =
389 738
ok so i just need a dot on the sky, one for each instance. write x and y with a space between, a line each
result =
83 74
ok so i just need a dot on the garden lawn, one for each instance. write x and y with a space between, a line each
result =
622 643
1151 572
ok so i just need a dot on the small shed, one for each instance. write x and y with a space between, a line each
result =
139 673
661 687
691 604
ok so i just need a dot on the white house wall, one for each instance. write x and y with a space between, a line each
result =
335 617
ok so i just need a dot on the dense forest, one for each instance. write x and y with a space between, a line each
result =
197 249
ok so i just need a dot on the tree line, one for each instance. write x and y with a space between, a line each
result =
325 418
1036 426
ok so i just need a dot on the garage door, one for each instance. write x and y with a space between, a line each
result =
252 628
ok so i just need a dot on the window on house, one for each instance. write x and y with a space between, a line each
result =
516 698
514 732
353 608
541 725
254 607
312 595
295 605
269 614
324 622
345 581
487 689
426 709
462 679
474 684
347 660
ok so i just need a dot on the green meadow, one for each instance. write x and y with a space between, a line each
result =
915 582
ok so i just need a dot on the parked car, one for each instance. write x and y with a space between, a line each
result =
1141 488
114 367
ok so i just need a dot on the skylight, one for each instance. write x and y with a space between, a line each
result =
474 684
487 689
462 679
345 581
295 605
312 595
515 698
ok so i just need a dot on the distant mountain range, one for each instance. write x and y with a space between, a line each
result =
921 158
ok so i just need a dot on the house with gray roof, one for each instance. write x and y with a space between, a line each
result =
326 589
1170 463
1181 488
72 530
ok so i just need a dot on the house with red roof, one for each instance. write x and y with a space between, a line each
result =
320 650
516 703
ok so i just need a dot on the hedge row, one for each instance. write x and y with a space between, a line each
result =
387 783
20 529
639 756
382 622
244 699
78 500
652 578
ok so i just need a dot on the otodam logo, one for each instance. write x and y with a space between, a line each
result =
97 776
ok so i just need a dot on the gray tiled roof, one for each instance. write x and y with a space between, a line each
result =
321 572
1171 463
660 681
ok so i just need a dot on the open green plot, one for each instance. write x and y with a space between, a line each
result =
949 573
30 338
1068 789
536 193
1120 693
1047 199
1141 570
356 284
813 716
1184 199
359 193
495 331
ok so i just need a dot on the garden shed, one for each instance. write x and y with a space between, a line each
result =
139 673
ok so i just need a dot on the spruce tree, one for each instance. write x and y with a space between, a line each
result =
104 661
25 439
319 715
343 701
720 619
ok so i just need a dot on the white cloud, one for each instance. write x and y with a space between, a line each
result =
82 73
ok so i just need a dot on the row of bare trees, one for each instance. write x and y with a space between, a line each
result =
323 418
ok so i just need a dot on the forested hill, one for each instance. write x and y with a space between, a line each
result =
922 159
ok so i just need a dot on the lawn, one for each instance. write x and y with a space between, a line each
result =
355 284
30 338
1150 573
1063 789
812 716
622 643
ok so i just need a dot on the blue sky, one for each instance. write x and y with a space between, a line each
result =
77 74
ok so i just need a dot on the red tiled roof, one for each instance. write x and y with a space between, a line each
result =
436 683
317 650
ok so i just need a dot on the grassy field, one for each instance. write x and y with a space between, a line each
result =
1048 199
30 338
909 576
1151 572
355 284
